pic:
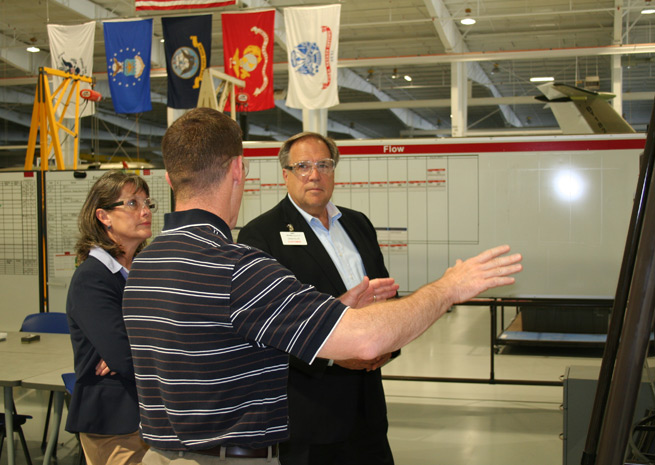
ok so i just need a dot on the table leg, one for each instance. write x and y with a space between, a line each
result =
9 424
54 426
494 333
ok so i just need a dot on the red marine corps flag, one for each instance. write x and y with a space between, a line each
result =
248 55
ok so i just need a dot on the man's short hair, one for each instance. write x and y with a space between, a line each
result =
197 149
283 154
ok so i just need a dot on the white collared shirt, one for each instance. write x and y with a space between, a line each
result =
110 262
337 244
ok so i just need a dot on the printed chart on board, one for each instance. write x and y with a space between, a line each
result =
19 247
19 252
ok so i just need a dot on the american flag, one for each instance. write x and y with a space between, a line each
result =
142 5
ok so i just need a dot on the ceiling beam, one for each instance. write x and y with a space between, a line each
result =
352 80
472 102
453 42
87 9
487 132
12 97
534 54
332 126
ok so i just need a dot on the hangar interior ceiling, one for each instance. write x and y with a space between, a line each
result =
380 42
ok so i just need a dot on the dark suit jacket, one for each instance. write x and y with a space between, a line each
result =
100 404
325 403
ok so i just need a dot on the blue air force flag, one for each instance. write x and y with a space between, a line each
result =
128 45
187 43
312 47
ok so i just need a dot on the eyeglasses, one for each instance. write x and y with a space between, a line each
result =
245 163
304 168
246 167
135 205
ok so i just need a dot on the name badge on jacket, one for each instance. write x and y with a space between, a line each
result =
293 238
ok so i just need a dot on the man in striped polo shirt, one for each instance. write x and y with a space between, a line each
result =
211 322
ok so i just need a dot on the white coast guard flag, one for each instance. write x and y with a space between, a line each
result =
312 45
71 51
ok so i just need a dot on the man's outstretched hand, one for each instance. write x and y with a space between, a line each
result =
492 268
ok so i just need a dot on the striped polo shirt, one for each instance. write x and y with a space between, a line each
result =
210 324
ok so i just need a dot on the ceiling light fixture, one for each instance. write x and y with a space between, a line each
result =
407 78
648 9
467 20
395 74
33 48
542 79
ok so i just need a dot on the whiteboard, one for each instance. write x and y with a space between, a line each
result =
19 248
566 211
64 196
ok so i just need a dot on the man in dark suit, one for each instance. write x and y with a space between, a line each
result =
337 411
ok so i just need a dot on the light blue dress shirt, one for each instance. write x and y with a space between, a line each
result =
337 244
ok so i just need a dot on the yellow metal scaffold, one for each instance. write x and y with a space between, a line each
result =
45 122
208 91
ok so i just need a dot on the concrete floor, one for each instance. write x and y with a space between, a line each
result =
465 423
440 422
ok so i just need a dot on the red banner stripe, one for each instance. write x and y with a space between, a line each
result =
145 5
490 147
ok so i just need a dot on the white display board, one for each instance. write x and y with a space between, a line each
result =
564 203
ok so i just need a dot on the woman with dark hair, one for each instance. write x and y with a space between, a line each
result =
114 224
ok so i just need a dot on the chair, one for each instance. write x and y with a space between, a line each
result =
49 322
69 383
19 420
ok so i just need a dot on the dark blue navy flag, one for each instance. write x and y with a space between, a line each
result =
128 45
187 43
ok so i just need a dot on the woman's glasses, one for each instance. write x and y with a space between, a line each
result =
134 205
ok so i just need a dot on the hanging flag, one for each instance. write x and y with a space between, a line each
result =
128 45
71 51
144 5
187 43
312 47
248 55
